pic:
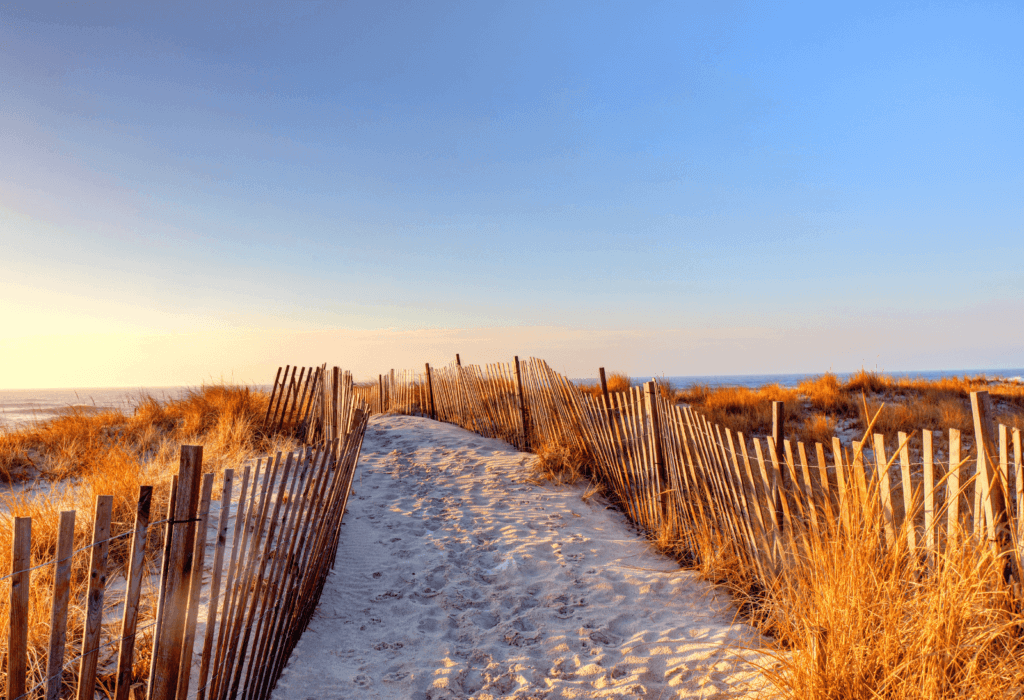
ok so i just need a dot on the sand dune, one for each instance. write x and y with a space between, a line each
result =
456 577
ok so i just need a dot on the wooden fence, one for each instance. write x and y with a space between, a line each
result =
213 629
674 473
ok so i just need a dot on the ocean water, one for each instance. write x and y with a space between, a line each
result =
20 407
792 380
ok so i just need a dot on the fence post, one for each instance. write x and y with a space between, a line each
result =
430 390
522 407
270 403
604 385
126 653
59 608
94 611
651 396
779 436
167 647
17 640
993 494
458 361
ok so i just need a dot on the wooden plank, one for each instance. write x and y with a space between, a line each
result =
285 388
312 502
779 436
769 488
17 635
167 647
217 571
604 383
59 607
884 490
523 412
294 529
133 591
841 486
993 494
805 471
270 402
865 506
826 489
953 487
195 586
1019 470
233 591
165 560
300 396
94 611
928 466
909 507
657 450
777 472
259 575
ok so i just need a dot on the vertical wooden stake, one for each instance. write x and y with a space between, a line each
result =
270 403
430 390
929 494
17 638
195 586
953 487
165 563
657 450
218 566
993 493
167 647
884 490
779 435
97 583
522 406
604 385
59 610
458 361
126 654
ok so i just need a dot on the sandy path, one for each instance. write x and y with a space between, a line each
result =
456 578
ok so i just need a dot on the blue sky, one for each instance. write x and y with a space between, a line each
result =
203 190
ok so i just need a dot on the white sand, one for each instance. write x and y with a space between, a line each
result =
457 578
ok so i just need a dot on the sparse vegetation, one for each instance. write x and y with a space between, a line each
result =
84 454
823 406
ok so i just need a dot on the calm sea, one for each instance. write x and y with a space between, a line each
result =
19 407
756 380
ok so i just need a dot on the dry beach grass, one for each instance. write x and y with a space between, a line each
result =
850 619
65 463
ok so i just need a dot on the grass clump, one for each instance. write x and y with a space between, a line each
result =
856 621
86 453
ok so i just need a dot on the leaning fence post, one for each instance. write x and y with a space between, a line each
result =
651 396
17 640
779 435
167 647
430 390
94 611
126 653
522 406
59 607
993 495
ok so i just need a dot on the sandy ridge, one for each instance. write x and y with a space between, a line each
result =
456 578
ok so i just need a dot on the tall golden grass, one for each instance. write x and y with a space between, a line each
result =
848 617
87 454
816 406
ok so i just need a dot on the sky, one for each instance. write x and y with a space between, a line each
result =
205 191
